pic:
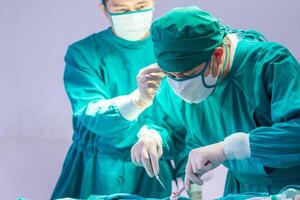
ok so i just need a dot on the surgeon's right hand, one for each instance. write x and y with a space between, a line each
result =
201 160
147 151
148 81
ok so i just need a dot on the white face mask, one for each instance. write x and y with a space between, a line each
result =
194 90
132 26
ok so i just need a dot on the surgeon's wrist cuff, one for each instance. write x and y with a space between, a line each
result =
138 101
150 133
237 146
127 108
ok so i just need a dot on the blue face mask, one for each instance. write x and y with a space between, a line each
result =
197 88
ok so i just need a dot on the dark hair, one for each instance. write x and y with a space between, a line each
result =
104 2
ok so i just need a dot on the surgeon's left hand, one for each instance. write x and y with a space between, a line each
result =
147 151
148 81
202 160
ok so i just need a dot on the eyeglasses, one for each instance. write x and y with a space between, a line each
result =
187 74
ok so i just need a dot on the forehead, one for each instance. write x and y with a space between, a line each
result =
197 68
127 2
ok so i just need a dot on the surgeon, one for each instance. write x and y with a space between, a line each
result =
100 81
238 97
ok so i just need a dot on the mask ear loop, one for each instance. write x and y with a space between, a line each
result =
219 75
225 62
219 69
210 71
110 16
203 76
222 70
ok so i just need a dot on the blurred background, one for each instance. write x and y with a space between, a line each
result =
35 120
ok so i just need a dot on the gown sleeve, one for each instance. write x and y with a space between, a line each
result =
165 117
278 146
89 96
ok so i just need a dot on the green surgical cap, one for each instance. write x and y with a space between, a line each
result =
185 38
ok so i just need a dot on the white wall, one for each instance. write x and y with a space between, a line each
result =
35 120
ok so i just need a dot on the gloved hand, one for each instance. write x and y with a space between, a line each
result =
195 193
202 160
148 81
147 151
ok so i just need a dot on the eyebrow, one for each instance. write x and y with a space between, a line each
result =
121 5
141 2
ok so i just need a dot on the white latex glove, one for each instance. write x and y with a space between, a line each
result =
195 193
148 81
147 151
202 160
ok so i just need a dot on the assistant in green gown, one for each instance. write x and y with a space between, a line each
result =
98 69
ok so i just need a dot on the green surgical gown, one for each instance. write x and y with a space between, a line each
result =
99 68
260 96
